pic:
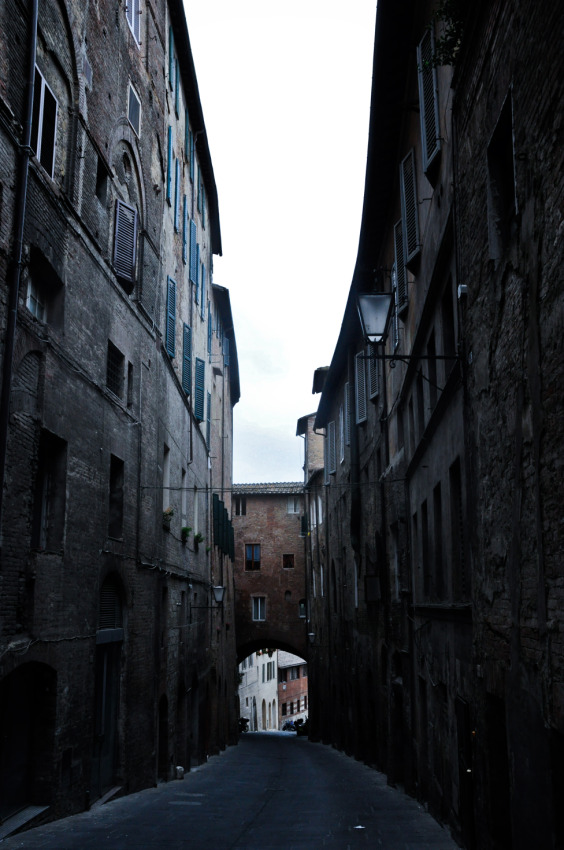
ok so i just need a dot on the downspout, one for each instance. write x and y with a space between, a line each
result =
19 223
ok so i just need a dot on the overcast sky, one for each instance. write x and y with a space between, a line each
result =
285 90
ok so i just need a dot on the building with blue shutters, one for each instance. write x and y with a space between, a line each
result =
119 377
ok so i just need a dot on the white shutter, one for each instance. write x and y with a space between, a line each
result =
428 99
409 211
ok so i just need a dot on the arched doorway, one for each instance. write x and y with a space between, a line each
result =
27 724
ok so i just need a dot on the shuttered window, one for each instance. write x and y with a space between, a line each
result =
199 389
360 387
110 614
203 305
193 265
396 308
409 211
347 406
176 87
134 110
169 165
125 241
341 434
170 316
184 230
170 58
186 359
331 448
208 423
373 374
133 14
226 351
210 329
44 123
176 195
428 99
401 271
198 269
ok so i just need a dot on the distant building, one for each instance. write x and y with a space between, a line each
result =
258 690
268 523
292 688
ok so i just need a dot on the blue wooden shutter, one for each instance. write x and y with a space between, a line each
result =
171 316
193 237
197 264
409 211
184 230
169 165
199 389
187 359
176 195
203 305
210 329
428 99
192 155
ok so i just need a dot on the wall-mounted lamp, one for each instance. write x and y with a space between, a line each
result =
218 594
375 311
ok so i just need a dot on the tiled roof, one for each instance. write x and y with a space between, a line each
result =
274 489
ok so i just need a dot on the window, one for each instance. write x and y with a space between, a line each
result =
203 304
347 407
438 541
44 123
176 195
133 14
125 242
240 505
197 278
115 370
134 110
186 359
502 200
45 290
331 448
341 434
284 709
399 271
288 562
166 477
35 301
259 607
302 608
171 317
115 517
410 219
169 158
294 504
252 556
184 230
208 423
428 99
360 387
50 493
199 390
193 258
294 673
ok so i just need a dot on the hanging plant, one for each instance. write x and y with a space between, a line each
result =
185 533
450 19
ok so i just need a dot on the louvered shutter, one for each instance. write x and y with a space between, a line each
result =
428 99
192 155
176 87
197 280
125 241
401 272
193 237
199 389
347 414
169 165
360 387
395 313
170 57
409 211
216 502
373 375
203 305
341 433
171 317
176 195
187 359
184 230
331 448
110 614
226 351
210 329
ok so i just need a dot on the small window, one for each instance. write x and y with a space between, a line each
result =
44 123
360 387
134 110
133 14
284 709
288 562
115 370
240 505
502 199
115 520
409 210
50 493
294 504
36 302
331 448
259 608
302 608
252 556
341 434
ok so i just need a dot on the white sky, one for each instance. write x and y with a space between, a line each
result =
285 90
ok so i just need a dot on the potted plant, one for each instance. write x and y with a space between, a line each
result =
168 514
184 533
198 538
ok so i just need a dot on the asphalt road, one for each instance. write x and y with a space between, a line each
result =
274 791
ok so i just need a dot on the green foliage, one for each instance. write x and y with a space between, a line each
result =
450 20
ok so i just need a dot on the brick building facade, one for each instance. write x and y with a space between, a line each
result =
119 378
269 567
433 564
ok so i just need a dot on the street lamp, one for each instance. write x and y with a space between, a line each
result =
218 594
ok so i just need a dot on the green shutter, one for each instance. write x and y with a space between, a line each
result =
199 390
171 316
187 359
216 503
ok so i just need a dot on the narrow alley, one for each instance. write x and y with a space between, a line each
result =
273 790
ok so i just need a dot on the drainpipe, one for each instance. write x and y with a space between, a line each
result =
14 278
